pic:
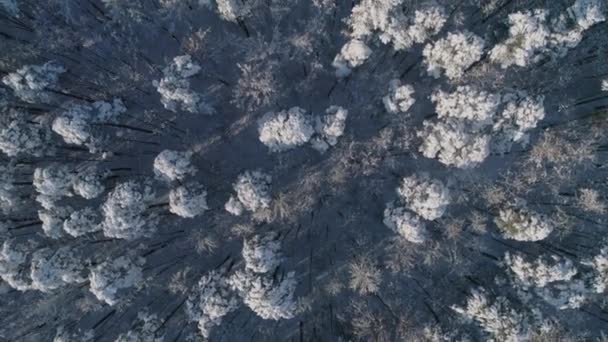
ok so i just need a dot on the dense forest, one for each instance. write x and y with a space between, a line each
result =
303 170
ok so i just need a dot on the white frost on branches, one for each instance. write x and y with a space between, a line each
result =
189 200
252 193
173 165
497 319
551 279
52 269
174 87
32 82
541 272
210 301
262 253
453 54
112 276
523 225
406 224
565 295
353 54
427 197
268 297
400 97
124 211
286 129
329 128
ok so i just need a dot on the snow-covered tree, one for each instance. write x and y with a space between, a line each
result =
52 269
262 253
109 278
531 37
369 16
565 295
605 85
329 128
286 129
404 32
52 221
210 301
231 10
14 266
541 272
252 193
188 200
76 124
82 222
8 197
521 113
54 180
523 225
19 136
88 183
551 279
400 97
587 13
453 54
466 103
146 329
124 211
353 54
599 265
174 87
268 297
528 35
497 319
454 143
427 197
31 83
234 206
405 223
461 138
173 165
